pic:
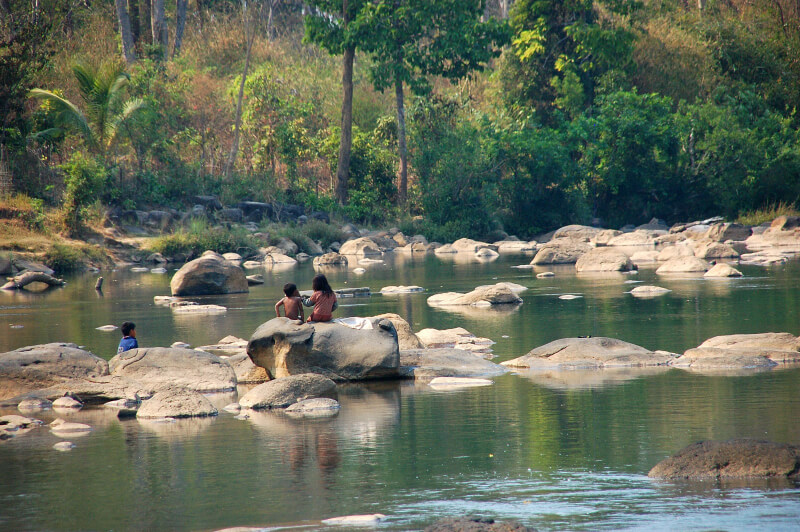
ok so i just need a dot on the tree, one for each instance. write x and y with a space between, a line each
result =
159 26
330 27
125 31
180 23
410 40
101 89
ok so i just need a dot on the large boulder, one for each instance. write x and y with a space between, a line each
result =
684 265
40 366
640 237
732 459
210 274
284 347
286 391
515 246
176 404
589 353
604 260
742 351
175 367
561 251
715 250
361 247
604 237
246 371
482 296
467 245
431 363
406 339
583 233
675 252
727 231
330 259
722 270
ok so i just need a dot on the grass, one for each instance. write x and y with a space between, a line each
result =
768 213
199 237
64 258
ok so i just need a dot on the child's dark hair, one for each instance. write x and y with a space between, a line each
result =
127 327
289 289
320 284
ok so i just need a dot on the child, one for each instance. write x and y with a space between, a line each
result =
291 303
128 341
323 299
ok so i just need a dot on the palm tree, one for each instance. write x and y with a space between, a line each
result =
101 89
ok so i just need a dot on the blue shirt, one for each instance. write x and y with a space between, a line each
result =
126 344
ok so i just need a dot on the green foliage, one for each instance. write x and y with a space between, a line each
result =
302 235
199 237
767 213
86 180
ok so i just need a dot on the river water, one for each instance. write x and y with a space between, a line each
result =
555 451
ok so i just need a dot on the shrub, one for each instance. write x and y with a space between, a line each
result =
199 237
767 213
85 179
65 258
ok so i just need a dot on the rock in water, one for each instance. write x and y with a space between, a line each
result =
406 338
432 363
210 274
67 403
284 392
318 407
176 404
604 260
733 459
476 524
64 446
167 366
355 520
284 347
589 353
723 270
482 296
683 265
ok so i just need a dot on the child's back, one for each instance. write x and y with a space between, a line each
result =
293 306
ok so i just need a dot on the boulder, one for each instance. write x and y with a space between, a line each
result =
515 246
456 338
644 256
604 237
583 233
209 274
67 403
246 371
604 260
227 347
416 247
254 280
683 265
13 425
401 289
675 252
232 257
445 250
6 264
561 251
285 391
400 238
39 366
722 270
640 237
406 339
287 246
715 250
232 214
732 459
317 407
670 238
284 347
61 426
25 265
714 358
176 404
482 296
486 254
209 202
467 245
722 232
444 362
590 353
654 225
330 259
649 291
361 247
34 404
168 366
743 351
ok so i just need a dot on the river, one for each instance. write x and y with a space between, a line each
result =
555 451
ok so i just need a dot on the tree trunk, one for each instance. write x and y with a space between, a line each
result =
269 19
145 21
238 123
201 15
701 4
346 140
402 185
133 11
159 26
125 31
180 22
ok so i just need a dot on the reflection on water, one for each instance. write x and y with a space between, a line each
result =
554 450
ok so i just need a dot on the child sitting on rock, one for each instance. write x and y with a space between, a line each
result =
292 303
323 299
128 341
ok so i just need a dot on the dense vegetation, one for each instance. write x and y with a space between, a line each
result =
555 112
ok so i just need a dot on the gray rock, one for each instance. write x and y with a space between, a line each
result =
604 260
684 265
728 231
715 250
476 524
561 251
31 266
246 371
361 247
283 392
482 296
406 338
34 404
330 259
732 459
742 351
176 404
210 274
234 214
67 402
722 270
284 348
13 425
583 233
431 363
183 368
288 247
589 353
317 407
39 366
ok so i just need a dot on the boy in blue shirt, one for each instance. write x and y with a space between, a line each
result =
128 341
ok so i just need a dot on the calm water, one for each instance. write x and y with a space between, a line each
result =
555 451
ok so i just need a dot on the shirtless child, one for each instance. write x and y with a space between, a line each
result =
292 303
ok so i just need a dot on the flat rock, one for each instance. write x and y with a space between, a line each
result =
184 368
483 296
604 260
721 232
34 404
683 265
545 275
254 280
14 425
401 289
742 351
209 274
732 459
355 520
64 427
317 407
467 245
39 366
64 446
194 308
458 382
722 270
431 363
647 290
284 347
645 256
715 250
285 391
107 328
177 403
278 258
476 524
716 358
504 247
589 353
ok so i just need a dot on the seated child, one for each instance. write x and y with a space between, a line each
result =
128 341
323 299
292 303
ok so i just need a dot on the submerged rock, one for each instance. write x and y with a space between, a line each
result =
458 382
285 391
723 270
649 291
589 353
175 367
482 296
443 362
64 446
475 524
318 407
732 459
330 259
742 351
210 274
176 404
13 425
284 347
